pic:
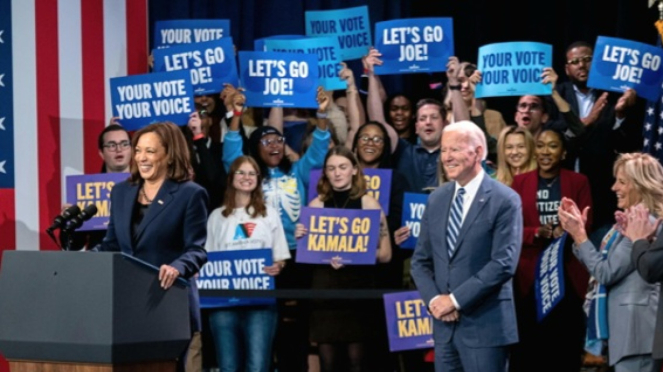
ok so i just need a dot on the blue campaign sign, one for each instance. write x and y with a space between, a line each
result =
273 79
210 64
139 100
414 206
513 69
549 280
189 31
414 45
87 189
259 44
409 325
619 64
350 26
238 269
348 235
378 185
327 50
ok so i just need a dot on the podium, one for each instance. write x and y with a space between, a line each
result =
89 312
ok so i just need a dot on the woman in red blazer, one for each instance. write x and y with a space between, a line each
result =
558 339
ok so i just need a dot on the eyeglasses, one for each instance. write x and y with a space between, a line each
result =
577 60
114 146
268 142
376 139
525 107
251 174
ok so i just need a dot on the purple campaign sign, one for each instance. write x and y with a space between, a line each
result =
378 185
414 206
409 325
352 235
94 189
619 64
238 269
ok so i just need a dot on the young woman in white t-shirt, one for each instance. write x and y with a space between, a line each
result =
243 335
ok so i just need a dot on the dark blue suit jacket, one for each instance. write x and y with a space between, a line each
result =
597 149
479 274
173 231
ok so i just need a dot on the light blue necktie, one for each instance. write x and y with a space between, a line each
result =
455 221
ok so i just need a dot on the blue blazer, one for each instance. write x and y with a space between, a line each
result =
480 271
173 231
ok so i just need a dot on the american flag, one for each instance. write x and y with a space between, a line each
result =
652 128
56 57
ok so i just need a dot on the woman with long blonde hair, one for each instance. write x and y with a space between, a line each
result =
621 306
515 154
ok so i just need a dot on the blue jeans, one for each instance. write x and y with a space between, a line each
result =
243 337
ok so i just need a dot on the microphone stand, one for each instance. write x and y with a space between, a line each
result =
50 233
67 238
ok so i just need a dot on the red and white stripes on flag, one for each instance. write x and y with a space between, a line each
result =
63 54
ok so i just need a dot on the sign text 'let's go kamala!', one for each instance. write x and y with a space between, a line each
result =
88 189
349 235
409 325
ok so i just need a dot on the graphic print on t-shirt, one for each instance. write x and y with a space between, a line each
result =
244 230
283 194
548 198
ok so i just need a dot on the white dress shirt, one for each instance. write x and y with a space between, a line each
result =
471 189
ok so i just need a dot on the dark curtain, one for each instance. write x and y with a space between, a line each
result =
254 19
476 23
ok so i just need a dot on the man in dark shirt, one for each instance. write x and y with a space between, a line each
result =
418 162
605 132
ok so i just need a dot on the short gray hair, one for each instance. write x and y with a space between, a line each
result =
474 134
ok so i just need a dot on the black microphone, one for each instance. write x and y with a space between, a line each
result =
67 215
83 216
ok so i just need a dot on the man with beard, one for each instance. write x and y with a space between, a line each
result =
602 115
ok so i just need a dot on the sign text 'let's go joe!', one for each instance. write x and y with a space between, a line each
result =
279 79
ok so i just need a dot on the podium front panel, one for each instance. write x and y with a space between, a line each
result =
88 307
